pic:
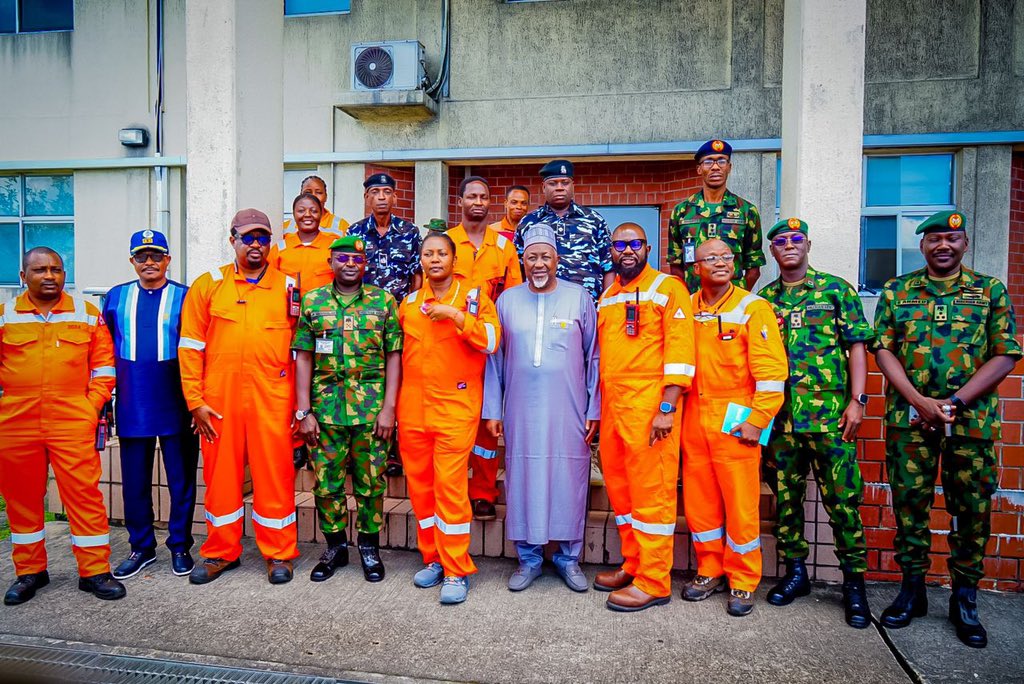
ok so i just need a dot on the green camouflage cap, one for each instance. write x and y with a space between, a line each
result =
349 243
943 222
437 225
787 225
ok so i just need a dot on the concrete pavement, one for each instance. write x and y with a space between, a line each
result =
348 628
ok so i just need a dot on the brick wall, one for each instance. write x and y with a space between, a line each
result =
1016 247
405 180
651 183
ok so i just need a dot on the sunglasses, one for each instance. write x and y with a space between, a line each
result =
635 245
354 258
783 239
249 238
148 256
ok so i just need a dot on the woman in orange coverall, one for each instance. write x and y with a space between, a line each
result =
449 325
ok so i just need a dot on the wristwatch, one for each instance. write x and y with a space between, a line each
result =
666 407
959 404
301 415
862 399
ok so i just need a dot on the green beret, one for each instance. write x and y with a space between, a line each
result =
349 243
786 225
943 222
437 225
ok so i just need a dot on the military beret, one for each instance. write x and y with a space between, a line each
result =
349 243
787 225
943 222
437 225
148 239
378 180
556 168
713 147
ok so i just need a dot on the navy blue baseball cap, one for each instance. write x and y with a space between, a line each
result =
149 239
715 146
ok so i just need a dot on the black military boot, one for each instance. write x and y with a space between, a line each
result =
794 583
911 602
334 557
963 613
855 600
369 556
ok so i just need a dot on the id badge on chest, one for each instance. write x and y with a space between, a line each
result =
324 346
690 252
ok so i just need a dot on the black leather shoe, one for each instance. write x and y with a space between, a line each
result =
911 602
373 567
963 613
794 583
855 600
333 557
394 469
182 563
24 588
134 563
279 571
102 586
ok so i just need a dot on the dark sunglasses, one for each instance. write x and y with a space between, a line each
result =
249 238
635 245
354 258
156 258
783 239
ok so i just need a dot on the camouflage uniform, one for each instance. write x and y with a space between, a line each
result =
735 222
392 259
347 394
820 320
943 332
584 244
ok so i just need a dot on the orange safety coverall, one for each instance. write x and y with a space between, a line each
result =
56 372
438 413
328 221
494 266
235 356
308 264
740 360
504 227
635 369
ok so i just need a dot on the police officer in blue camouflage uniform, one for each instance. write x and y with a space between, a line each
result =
584 242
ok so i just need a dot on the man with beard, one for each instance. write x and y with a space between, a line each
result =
56 373
584 252
540 391
946 339
489 260
517 204
348 366
236 361
714 213
645 328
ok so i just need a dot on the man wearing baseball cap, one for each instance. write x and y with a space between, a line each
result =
236 371
144 318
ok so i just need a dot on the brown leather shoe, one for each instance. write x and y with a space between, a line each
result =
210 569
631 599
279 571
612 580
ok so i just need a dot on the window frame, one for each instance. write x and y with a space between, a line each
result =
22 218
17 23
316 14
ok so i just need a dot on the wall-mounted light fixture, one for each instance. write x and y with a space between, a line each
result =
133 137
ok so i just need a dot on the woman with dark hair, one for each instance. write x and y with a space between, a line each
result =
315 185
305 253
450 327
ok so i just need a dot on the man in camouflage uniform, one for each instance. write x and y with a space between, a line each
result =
826 333
946 339
348 346
715 213
584 242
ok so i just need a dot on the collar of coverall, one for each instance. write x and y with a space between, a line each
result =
24 305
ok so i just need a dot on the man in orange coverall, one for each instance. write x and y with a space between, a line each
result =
489 260
450 326
56 373
645 329
236 368
740 360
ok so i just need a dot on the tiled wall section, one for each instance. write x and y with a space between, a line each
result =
1016 246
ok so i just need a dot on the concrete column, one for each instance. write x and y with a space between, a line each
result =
235 120
989 229
349 200
823 127
431 191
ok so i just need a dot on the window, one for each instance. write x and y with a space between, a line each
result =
302 8
36 211
899 193
36 16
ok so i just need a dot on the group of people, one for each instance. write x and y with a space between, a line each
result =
546 330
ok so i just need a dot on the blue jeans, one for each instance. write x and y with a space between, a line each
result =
532 555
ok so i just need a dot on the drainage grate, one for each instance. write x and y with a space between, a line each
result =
45 664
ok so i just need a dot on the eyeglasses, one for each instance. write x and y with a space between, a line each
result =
724 258
354 258
708 163
155 257
781 240
249 238
635 245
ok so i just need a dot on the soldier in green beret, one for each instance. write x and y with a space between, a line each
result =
348 346
946 339
826 335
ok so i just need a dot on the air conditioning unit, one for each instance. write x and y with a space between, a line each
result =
388 65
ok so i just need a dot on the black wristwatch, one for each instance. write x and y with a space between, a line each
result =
862 399
959 404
